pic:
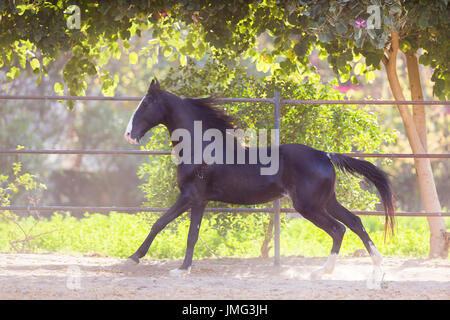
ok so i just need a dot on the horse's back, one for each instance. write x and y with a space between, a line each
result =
307 167
245 184
307 159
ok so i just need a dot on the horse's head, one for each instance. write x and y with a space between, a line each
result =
149 113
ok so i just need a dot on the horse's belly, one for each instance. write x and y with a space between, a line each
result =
244 187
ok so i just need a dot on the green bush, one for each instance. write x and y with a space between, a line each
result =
119 235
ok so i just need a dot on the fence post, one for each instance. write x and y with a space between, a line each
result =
276 203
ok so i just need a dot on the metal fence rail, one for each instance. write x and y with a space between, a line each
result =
88 152
131 210
163 152
276 209
234 100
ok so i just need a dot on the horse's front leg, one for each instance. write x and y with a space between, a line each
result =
194 228
182 204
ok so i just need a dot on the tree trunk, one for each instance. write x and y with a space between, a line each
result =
415 127
265 247
437 224
415 86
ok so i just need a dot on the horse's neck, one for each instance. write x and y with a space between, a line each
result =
180 118
230 143
185 118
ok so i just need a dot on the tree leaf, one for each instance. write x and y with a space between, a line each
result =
341 27
58 87
35 64
301 48
133 58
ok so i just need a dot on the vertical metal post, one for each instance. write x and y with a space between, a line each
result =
276 203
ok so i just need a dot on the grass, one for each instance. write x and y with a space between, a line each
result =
119 235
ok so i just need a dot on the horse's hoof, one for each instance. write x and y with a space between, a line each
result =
376 281
128 266
180 272
318 274
131 262
377 258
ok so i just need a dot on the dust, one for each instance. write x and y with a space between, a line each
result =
52 276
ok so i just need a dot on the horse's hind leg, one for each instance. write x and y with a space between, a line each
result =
319 217
353 222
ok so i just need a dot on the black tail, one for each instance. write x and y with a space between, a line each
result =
375 175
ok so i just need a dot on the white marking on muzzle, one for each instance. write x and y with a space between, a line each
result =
129 140
127 134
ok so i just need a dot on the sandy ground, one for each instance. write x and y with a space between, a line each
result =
51 276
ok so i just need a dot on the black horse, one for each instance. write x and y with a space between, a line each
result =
304 174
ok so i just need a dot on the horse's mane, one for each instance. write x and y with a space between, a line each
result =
211 116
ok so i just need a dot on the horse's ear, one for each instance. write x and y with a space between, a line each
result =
154 85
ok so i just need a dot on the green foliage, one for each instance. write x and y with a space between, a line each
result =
18 182
118 235
229 31
10 185
276 36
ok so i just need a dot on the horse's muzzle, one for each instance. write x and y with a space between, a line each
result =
129 139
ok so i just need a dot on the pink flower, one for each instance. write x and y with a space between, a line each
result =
347 87
360 23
